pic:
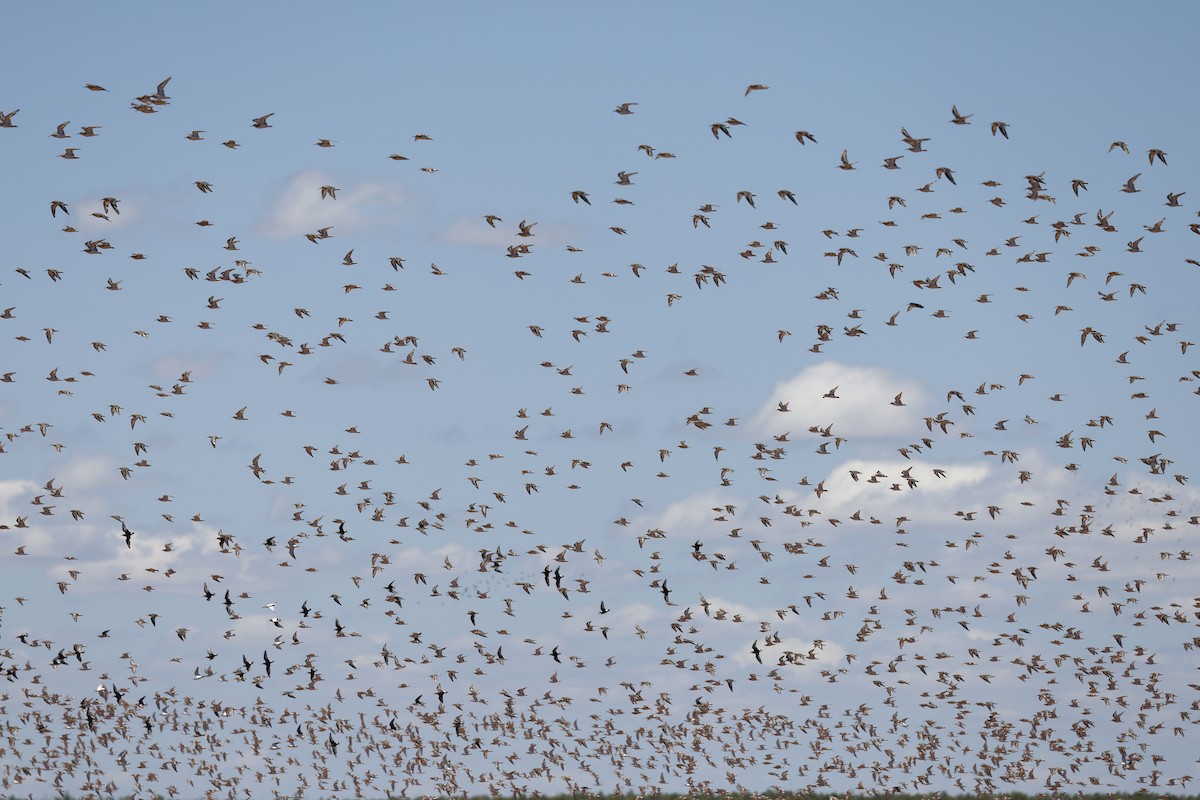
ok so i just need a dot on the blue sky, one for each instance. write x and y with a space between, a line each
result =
1016 574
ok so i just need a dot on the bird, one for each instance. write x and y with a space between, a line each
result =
915 145
932 665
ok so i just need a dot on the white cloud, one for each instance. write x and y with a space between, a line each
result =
863 406
432 560
100 554
301 209
692 512
628 615
797 634
965 483
10 490
85 472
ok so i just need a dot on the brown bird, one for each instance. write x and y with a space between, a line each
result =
959 119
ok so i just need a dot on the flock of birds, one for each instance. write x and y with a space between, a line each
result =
447 641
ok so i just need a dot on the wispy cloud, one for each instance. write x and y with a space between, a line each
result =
89 472
10 491
300 208
178 559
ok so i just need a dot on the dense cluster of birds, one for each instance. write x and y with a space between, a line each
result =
402 629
